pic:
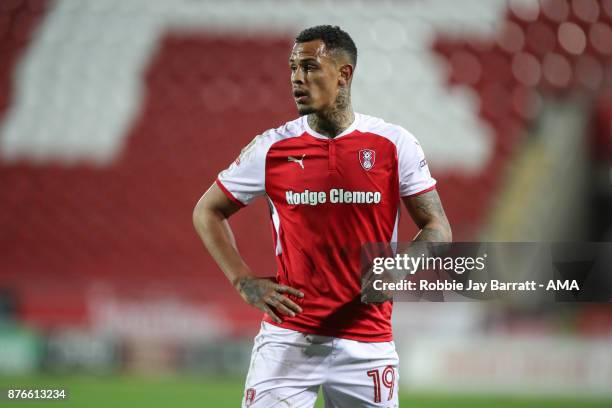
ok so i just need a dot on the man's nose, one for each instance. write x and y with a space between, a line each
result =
297 77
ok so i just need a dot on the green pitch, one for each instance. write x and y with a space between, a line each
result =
204 392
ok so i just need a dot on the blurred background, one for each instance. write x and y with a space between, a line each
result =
116 116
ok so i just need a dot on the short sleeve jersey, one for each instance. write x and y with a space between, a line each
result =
327 198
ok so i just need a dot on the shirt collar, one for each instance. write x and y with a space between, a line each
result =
346 131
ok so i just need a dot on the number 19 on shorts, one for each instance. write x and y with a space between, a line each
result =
387 378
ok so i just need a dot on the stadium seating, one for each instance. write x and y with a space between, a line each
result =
67 224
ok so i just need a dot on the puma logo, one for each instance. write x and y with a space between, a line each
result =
298 161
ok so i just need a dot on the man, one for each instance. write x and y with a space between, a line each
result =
333 179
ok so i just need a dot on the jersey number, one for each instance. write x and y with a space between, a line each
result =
388 380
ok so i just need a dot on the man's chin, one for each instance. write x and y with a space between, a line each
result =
305 110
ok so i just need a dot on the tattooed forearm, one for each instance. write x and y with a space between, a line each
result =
427 212
429 205
431 235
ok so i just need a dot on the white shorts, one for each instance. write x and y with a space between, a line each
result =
288 367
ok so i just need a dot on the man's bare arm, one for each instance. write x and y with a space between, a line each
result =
210 219
428 214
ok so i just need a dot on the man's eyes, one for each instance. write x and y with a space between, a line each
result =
306 67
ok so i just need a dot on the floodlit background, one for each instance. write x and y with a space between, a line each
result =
116 115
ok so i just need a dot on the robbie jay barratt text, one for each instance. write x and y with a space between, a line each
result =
493 285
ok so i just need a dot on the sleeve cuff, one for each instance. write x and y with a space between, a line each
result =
229 194
427 190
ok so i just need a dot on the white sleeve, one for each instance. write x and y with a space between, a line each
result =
414 176
244 179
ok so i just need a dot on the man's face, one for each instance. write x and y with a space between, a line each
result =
315 77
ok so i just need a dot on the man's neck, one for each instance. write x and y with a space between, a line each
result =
334 121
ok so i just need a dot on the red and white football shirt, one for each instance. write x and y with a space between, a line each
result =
327 198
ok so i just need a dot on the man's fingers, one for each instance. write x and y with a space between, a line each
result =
375 297
371 295
371 299
286 301
281 303
290 304
368 283
289 289
270 313
283 309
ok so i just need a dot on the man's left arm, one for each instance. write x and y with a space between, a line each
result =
428 214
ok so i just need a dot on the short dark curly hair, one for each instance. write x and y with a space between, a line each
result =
334 37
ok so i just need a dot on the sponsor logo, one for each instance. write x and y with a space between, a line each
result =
298 161
367 157
423 163
249 396
334 196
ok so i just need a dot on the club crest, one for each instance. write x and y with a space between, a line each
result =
249 397
367 157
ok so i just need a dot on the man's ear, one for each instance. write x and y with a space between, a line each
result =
346 74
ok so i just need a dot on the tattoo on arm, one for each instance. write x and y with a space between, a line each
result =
427 212
431 235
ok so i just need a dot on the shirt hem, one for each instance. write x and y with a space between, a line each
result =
331 333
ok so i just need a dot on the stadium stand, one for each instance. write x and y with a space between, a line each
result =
109 137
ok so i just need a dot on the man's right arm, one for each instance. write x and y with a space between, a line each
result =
210 219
